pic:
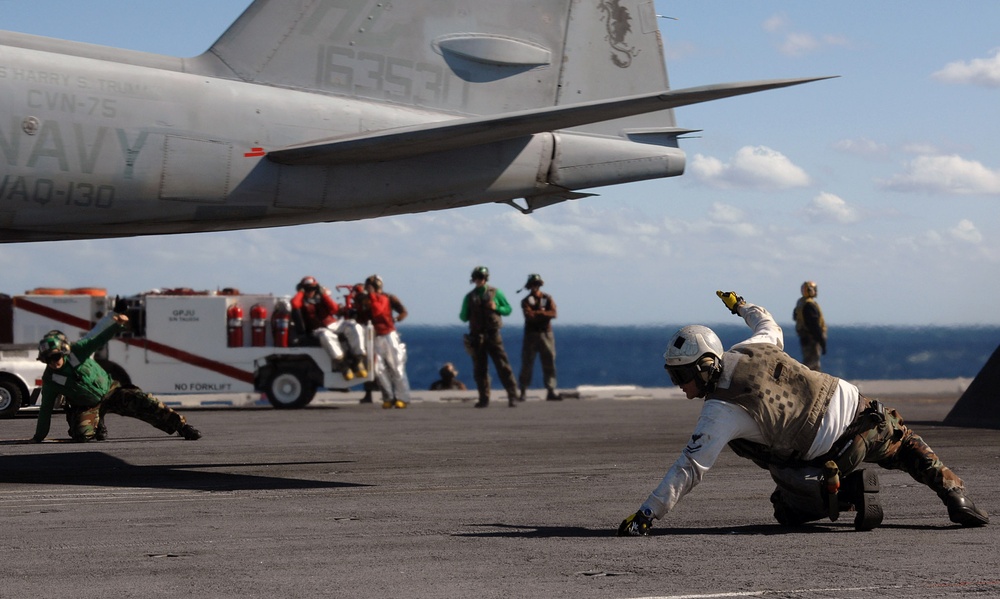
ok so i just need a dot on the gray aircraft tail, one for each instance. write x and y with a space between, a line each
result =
465 57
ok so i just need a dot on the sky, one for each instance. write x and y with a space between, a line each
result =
882 185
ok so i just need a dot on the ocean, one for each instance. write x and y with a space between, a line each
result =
624 355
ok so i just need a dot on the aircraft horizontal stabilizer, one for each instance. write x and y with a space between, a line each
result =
407 142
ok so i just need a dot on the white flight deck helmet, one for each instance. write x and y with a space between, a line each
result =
694 353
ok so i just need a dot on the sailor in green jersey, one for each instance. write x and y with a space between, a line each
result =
483 308
90 392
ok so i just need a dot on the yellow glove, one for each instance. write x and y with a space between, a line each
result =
731 300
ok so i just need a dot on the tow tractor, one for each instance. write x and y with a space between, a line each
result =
184 342
20 375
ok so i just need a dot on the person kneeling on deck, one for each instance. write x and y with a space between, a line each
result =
89 390
812 431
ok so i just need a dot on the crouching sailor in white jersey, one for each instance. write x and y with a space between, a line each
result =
812 431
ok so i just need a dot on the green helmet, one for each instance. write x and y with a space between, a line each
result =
53 344
534 279
480 272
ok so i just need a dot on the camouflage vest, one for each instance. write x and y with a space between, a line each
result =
800 317
786 399
538 323
481 318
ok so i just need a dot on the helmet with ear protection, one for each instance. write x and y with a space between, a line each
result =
52 345
307 283
481 273
375 281
694 353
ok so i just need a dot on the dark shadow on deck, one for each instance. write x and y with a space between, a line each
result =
94 468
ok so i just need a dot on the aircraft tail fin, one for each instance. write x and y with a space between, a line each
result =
471 57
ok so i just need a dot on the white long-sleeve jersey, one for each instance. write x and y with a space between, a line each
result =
721 422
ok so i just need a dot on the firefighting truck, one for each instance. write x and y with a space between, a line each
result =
183 342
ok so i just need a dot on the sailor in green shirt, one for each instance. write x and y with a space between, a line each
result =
483 308
89 390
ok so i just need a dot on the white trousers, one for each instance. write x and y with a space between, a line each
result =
390 367
329 339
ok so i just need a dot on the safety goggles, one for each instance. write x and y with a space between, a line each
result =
681 375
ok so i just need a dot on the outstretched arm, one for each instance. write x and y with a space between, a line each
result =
718 424
765 328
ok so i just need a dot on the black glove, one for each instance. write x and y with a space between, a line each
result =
636 525
121 305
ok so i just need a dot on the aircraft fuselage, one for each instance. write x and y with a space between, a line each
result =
324 110
147 150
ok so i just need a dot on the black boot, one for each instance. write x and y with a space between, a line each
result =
784 514
962 511
189 432
860 490
369 387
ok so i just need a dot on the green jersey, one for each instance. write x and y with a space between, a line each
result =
81 380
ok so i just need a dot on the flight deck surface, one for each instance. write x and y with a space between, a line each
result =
442 500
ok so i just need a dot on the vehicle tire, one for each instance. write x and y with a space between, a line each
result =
288 388
11 398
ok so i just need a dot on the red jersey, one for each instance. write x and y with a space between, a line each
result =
318 312
381 311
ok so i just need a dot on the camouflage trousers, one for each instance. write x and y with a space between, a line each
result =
879 437
543 345
811 351
125 401
483 347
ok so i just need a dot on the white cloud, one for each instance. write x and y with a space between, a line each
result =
757 168
731 220
797 43
803 249
862 147
775 23
966 231
945 174
983 72
919 147
827 207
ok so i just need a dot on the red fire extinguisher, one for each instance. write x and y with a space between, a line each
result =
280 322
234 325
258 325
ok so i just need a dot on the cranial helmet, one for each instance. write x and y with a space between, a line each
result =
534 279
53 344
375 281
307 283
809 289
694 353
480 272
